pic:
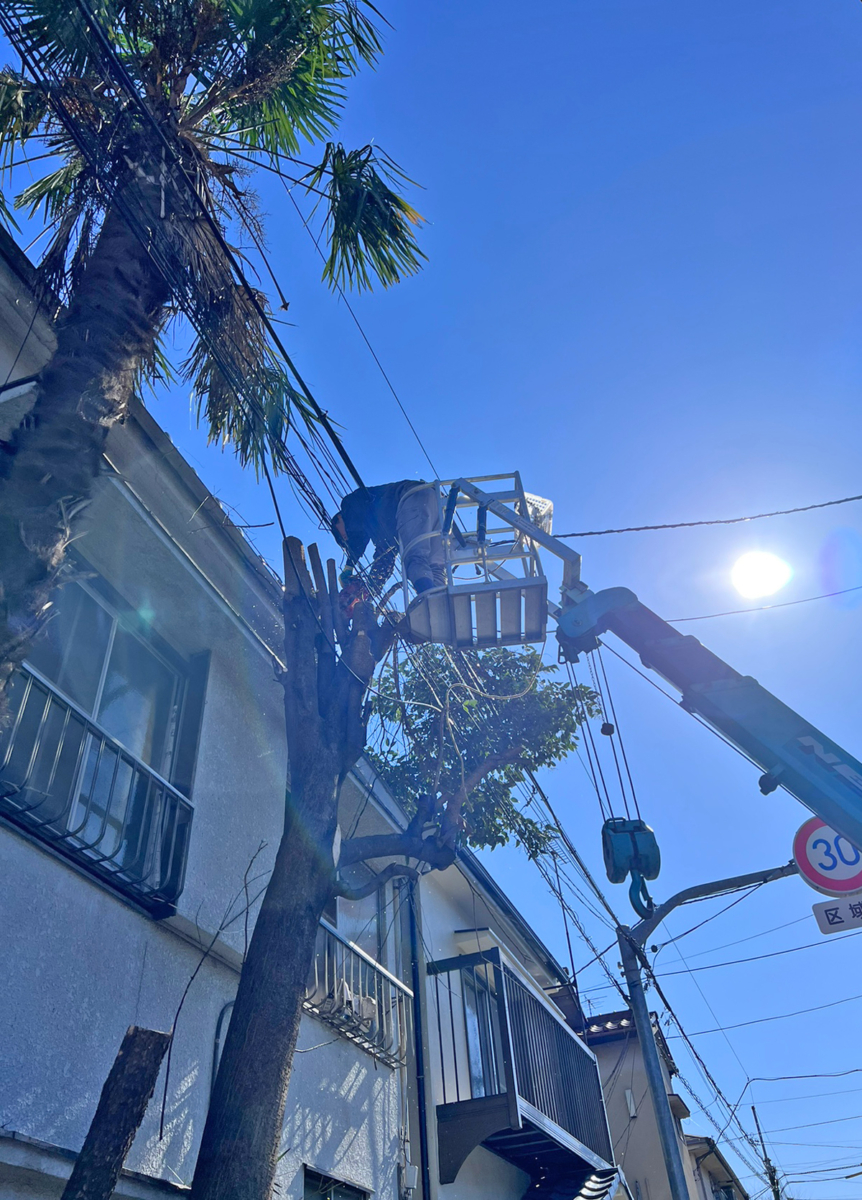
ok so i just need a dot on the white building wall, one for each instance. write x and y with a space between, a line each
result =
82 965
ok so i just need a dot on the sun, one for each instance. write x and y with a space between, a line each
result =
760 573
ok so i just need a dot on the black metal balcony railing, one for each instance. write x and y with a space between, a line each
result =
71 786
355 995
508 1063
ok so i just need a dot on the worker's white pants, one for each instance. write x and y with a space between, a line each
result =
419 516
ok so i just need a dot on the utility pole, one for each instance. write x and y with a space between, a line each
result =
631 942
670 1148
771 1173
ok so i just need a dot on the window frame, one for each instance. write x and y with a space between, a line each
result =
172 775
122 616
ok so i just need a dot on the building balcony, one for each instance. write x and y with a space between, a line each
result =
68 785
515 1078
355 995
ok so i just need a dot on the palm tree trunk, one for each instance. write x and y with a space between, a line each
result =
48 468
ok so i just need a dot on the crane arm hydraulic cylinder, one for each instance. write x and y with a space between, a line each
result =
791 752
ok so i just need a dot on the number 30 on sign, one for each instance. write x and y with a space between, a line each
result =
826 860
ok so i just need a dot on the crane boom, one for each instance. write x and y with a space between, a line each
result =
791 752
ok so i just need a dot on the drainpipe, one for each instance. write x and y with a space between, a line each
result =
419 1046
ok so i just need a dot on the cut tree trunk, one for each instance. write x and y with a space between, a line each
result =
118 1116
48 468
323 706
242 1137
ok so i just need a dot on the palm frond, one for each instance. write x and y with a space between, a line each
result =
54 190
6 217
370 226
240 389
23 109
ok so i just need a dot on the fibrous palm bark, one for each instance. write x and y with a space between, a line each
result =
48 468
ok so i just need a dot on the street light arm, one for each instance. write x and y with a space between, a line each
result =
702 891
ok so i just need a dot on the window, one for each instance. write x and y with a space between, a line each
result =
101 747
322 1187
91 653
480 1018
359 921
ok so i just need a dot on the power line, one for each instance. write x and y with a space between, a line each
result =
778 1017
734 962
733 612
811 1096
750 938
781 512
707 920
364 337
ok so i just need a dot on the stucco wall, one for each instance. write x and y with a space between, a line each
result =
484 1176
86 965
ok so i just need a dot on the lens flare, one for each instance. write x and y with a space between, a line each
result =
760 573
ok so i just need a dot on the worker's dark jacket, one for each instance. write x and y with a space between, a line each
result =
370 514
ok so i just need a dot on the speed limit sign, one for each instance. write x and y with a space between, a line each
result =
826 860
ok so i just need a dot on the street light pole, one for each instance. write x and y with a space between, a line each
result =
631 942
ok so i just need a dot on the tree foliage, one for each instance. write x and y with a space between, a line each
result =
442 714
229 84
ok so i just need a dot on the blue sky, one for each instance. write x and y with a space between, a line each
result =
643 294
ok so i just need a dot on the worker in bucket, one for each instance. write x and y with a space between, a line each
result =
405 513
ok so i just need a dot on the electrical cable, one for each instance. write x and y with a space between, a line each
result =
706 921
734 962
750 938
734 612
365 338
782 512
778 1017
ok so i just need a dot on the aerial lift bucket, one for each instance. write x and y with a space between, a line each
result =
495 592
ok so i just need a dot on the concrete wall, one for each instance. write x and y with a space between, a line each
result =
484 1176
86 965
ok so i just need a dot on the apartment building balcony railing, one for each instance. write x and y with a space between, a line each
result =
72 787
514 1077
361 999
354 995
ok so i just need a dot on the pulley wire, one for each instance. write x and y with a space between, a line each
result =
618 731
591 749
597 685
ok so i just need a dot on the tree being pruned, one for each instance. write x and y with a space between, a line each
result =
472 724
467 746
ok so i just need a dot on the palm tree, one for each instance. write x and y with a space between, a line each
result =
152 113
